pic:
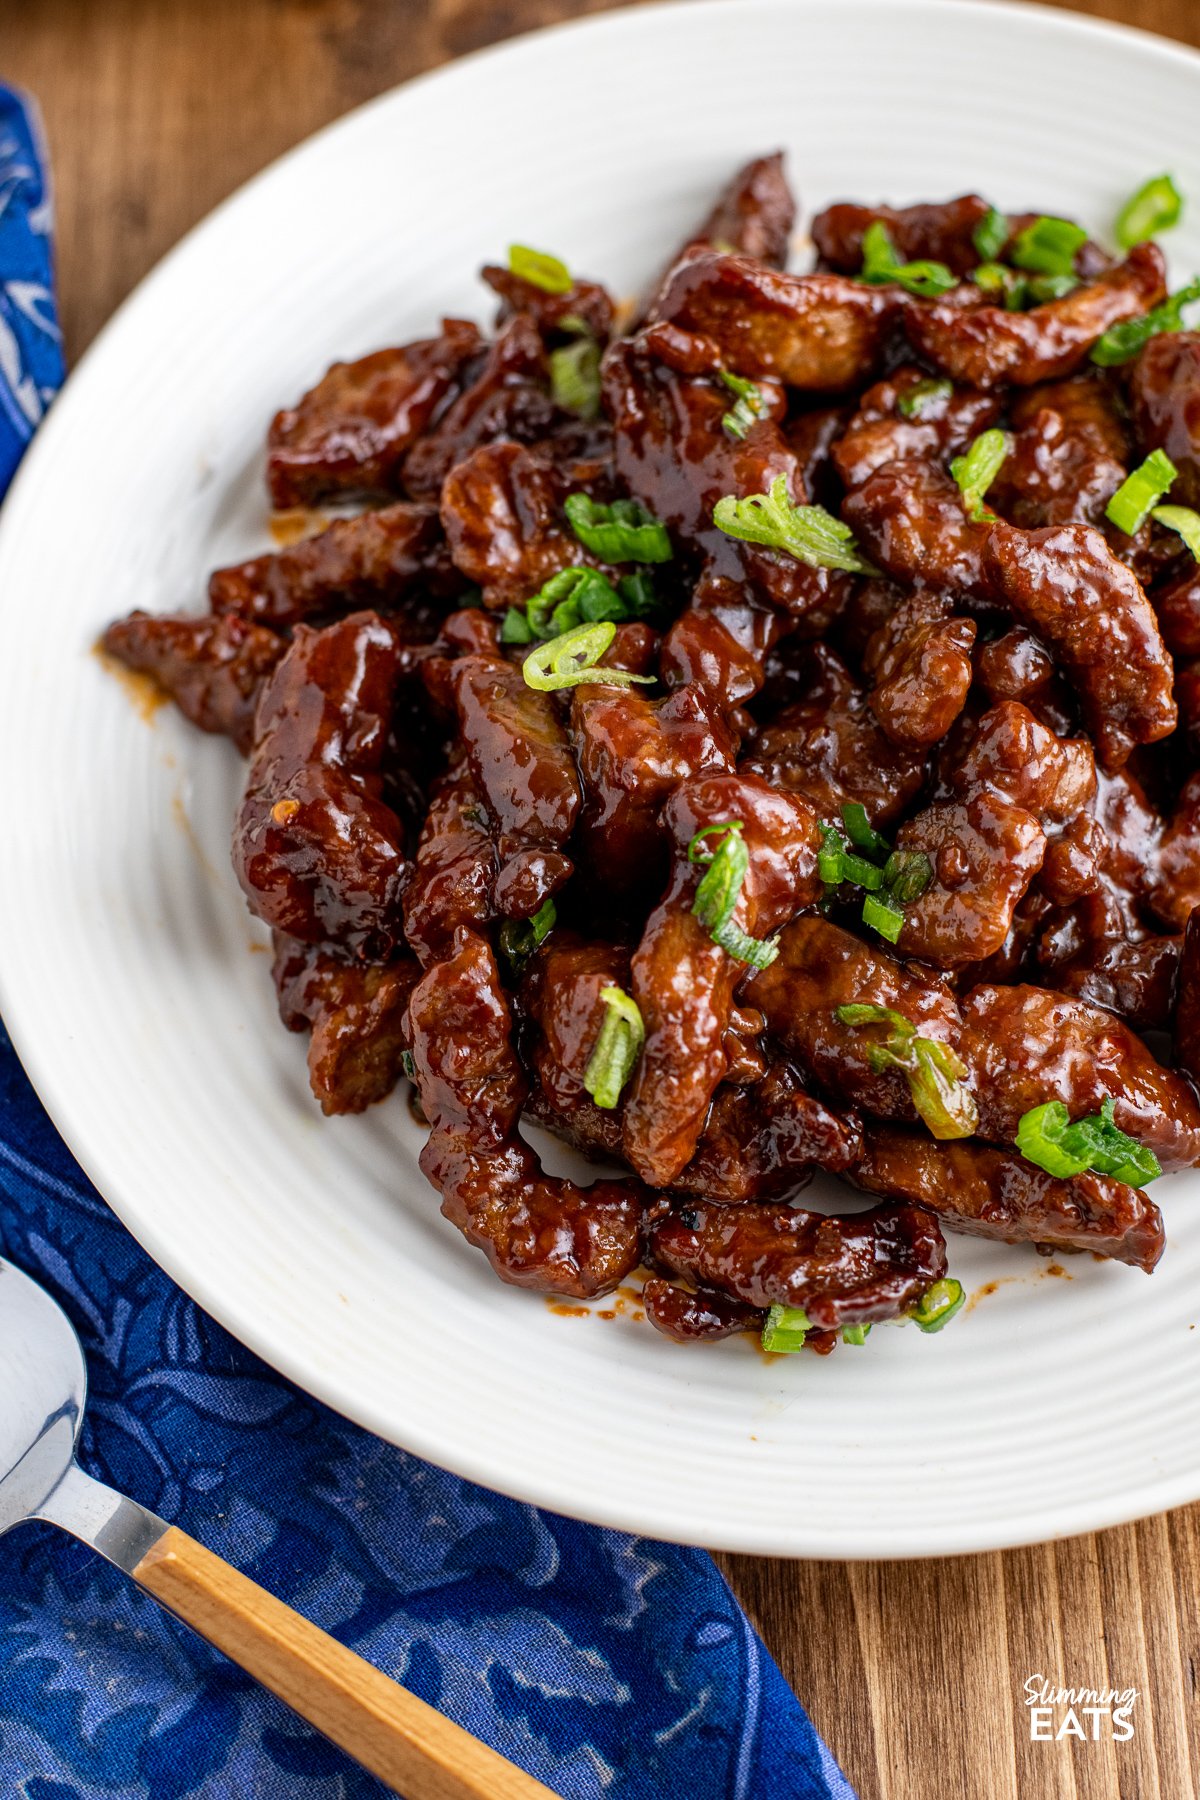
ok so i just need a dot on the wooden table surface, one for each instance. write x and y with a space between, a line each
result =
155 110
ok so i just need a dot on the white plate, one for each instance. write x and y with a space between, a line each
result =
129 982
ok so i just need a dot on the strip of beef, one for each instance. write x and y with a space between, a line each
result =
1065 584
1187 1009
1177 608
522 765
1173 888
1136 978
1164 394
820 968
988 346
536 1231
984 853
841 1271
356 1014
213 669
940 231
997 1194
764 1142
455 867
940 425
632 753
910 519
584 303
696 1317
684 982
829 747
920 661
1016 758
375 559
560 994
721 641
1018 666
318 853
507 397
351 433
502 512
1025 1045
819 333
753 216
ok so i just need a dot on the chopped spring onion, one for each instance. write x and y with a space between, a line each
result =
622 532
906 875
861 832
892 878
934 1072
1122 342
1046 1136
1141 492
1049 246
1041 288
1155 207
924 397
519 938
749 404
938 1304
539 269
883 917
575 596
1003 283
719 890
990 235
569 660
617 1048
408 1065
855 1334
515 628
575 378
978 468
808 533
1183 520
881 263
637 591
785 1330
829 857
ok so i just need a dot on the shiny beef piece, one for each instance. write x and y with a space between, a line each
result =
1187 1007
502 510
1052 476
1018 666
560 993
755 214
454 870
1025 1045
929 232
351 433
721 641
984 854
1173 887
375 559
583 300
1164 397
1016 758
987 346
1136 978
812 436
318 853
819 333
356 1013
829 748
508 397
213 669
920 661
696 1317
879 432
820 967
993 1193
841 1271
910 519
1064 584
765 1142
684 982
1177 608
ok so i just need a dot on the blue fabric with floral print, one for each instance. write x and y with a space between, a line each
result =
611 1667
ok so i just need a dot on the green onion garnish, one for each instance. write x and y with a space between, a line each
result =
622 532
515 628
924 396
519 938
718 892
892 878
575 378
976 471
883 917
1046 1136
1140 492
617 1048
938 1304
575 596
1041 288
1155 207
808 533
569 660
1049 246
990 235
408 1064
934 1072
637 591
906 875
785 1330
1122 342
882 264
1183 520
861 832
748 410
829 856
855 1334
539 269
1003 284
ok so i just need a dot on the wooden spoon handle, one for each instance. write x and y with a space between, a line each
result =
388 1730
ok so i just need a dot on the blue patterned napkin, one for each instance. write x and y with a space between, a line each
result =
611 1667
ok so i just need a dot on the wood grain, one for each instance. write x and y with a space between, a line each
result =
913 1671
406 1743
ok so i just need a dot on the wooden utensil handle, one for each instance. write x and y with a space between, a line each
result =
382 1726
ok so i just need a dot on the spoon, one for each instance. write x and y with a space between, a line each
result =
43 1388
